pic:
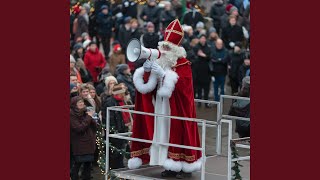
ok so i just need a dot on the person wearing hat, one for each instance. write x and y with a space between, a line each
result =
82 138
192 17
164 86
200 29
116 58
212 38
151 13
94 61
241 108
124 76
151 38
78 52
124 33
216 13
235 60
82 23
105 25
225 16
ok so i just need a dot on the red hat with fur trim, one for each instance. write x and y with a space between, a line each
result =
174 33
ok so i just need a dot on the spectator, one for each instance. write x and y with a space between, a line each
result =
232 33
235 12
117 57
225 17
213 36
167 15
73 79
203 73
235 60
244 69
95 97
73 90
124 76
151 13
104 73
84 93
78 52
200 29
188 32
220 65
150 39
82 23
217 11
192 17
73 69
83 138
84 73
125 33
117 122
135 32
110 82
105 27
241 108
177 7
94 61
130 8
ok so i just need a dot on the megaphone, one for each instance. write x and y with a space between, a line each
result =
136 51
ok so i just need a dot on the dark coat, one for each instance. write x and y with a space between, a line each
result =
191 20
166 17
202 66
135 34
242 72
83 26
152 13
127 80
217 11
232 34
150 40
92 25
220 62
85 76
235 61
130 8
241 108
100 87
105 23
82 130
124 36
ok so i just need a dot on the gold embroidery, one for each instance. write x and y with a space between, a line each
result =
188 62
140 152
178 156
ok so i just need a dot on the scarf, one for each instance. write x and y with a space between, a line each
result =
125 115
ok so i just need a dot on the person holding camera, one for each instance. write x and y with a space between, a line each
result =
94 61
83 138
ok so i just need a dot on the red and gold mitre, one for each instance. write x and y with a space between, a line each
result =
174 33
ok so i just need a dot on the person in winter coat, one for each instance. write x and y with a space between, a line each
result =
94 61
224 20
192 17
116 58
82 138
130 8
110 82
73 69
177 7
150 39
104 73
135 33
124 76
241 108
220 68
82 23
167 15
151 13
213 37
203 76
84 73
217 11
244 70
232 34
125 33
78 52
95 97
84 92
105 25
235 60
117 119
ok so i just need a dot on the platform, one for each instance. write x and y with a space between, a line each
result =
216 169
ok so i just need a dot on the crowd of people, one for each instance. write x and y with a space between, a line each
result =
217 42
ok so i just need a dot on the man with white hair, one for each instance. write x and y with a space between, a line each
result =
164 86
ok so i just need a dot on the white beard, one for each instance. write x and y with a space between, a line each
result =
167 60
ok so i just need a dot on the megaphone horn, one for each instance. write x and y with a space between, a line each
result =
136 51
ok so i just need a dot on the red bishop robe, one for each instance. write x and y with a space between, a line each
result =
181 132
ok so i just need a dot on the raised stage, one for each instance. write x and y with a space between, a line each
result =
216 169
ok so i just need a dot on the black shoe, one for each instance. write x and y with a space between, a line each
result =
167 173
182 175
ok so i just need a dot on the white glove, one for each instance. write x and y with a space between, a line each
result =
147 66
232 44
245 32
158 70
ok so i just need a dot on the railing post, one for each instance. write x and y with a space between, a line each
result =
218 140
107 143
203 144
229 148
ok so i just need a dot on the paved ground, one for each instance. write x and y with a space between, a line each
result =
209 114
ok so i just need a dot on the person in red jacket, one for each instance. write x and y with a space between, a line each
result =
94 61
